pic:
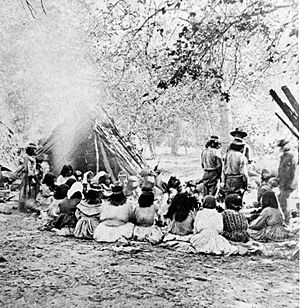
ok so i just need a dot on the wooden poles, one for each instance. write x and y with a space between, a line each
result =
291 112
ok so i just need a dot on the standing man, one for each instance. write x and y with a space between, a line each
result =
235 169
286 174
211 162
239 133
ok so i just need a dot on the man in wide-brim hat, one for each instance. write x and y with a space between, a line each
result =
239 133
235 168
211 162
286 174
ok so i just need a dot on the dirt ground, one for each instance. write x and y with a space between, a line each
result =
44 270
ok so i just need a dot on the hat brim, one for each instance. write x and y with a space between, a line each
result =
236 132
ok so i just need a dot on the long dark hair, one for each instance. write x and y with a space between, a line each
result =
146 199
181 206
234 202
61 192
49 180
66 169
269 200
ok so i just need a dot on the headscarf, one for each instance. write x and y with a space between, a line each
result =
269 200
76 187
209 202
86 175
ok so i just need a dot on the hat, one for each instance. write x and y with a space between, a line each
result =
238 141
31 145
281 143
214 138
238 132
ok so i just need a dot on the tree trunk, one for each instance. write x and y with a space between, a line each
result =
151 146
175 138
225 124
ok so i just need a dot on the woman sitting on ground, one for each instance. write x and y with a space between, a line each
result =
88 215
86 181
104 184
52 212
144 217
67 207
269 225
181 214
115 218
208 228
45 196
65 174
235 223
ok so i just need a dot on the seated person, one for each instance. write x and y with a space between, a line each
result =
86 181
144 217
181 214
88 215
269 225
67 208
105 185
45 196
115 217
65 174
235 224
268 186
208 228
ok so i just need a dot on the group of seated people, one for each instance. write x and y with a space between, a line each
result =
90 206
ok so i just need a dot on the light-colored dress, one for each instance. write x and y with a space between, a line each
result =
145 229
269 226
62 179
115 223
208 226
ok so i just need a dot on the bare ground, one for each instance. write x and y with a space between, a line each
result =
44 270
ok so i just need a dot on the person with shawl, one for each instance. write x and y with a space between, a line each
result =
45 196
208 228
269 225
235 224
181 214
144 218
115 217
65 174
67 207
88 215
29 185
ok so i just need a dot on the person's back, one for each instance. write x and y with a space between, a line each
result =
115 215
210 159
235 162
145 216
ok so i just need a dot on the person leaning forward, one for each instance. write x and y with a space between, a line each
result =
235 168
211 162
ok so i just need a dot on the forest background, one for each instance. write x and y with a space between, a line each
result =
173 72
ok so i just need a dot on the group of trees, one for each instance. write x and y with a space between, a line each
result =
172 71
